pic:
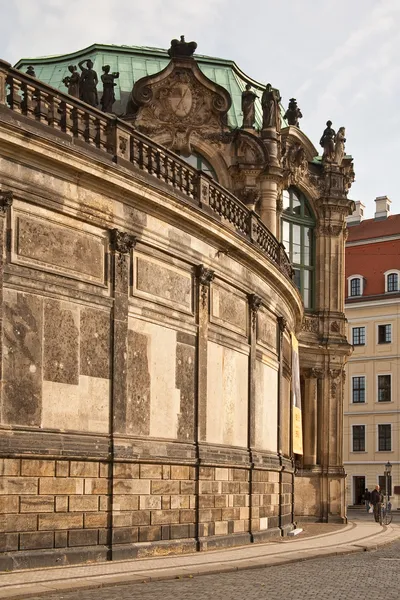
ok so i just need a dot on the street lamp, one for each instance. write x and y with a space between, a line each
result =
388 470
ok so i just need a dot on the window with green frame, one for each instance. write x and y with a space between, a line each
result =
297 235
199 162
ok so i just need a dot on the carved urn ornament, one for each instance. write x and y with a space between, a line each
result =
293 113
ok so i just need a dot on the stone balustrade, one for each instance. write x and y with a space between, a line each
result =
42 103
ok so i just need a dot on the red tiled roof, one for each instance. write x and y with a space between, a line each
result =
372 261
372 229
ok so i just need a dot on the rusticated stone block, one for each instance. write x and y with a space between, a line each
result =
62 468
152 502
206 501
55 485
8 542
179 472
230 514
125 535
37 504
95 343
165 532
10 466
164 487
240 500
61 343
150 534
179 532
166 502
126 502
166 472
131 486
61 503
83 503
180 502
105 503
60 539
126 471
221 474
96 486
9 504
187 516
221 501
188 487
38 468
150 471
141 517
230 487
221 528
211 487
96 520
207 473
83 537
122 519
104 470
18 485
60 521
240 475
238 526
84 469
161 517
36 541
18 523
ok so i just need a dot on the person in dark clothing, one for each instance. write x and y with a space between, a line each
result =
367 499
376 500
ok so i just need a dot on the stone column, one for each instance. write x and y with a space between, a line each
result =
269 193
310 414
121 245
204 279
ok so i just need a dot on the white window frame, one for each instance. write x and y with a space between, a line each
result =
377 438
377 333
365 390
392 272
365 438
358 327
377 388
349 280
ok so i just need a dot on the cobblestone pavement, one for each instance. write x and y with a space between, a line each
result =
362 576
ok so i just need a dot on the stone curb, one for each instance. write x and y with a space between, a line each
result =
23 591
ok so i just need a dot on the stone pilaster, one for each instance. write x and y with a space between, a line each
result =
121 246
310 416
6 200
204 279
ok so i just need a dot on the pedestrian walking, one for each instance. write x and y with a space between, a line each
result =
367 499
376 500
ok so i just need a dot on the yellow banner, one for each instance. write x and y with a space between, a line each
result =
297 430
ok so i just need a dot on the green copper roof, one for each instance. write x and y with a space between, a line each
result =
134 62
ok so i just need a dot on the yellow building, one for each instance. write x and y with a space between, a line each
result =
372 407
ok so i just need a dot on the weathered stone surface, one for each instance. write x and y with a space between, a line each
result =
61 342
138 404
229 308
23 333
266 407
163 281
37 504
60 521
60 248
95 343
44 468
267 332
36 541
185 382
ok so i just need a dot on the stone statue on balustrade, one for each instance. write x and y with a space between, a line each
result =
72 82
293 113
270 106
88 83
248 107
339 145
31 71
108 97
327 142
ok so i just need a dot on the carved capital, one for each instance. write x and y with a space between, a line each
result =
6 200
334 375
205 277
254 303
122 242
314 373
282 324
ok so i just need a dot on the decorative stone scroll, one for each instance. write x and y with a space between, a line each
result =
6 200
205 277
254 303
282 324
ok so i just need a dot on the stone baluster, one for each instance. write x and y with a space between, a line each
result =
4 69
28 104
14 98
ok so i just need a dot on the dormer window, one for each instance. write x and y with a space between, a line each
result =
356 285
392 281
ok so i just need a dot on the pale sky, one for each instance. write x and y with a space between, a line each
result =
339 58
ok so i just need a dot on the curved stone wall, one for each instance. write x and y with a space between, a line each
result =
146 348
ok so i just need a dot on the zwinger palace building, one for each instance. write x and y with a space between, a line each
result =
172 278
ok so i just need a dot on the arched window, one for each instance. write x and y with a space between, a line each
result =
355 285
297 236
392 281
199 162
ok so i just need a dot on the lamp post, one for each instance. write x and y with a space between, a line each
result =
388 470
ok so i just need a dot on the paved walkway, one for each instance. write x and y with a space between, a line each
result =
357 536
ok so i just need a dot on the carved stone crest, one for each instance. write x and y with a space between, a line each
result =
205 277
310 325
6 200
294 162
121 241
254 303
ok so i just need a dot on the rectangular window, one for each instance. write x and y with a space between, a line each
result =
358 438
355 287
358 395
384 438
358 336
384 388
384 334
